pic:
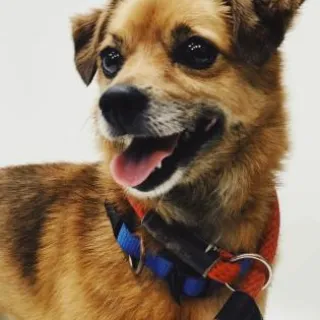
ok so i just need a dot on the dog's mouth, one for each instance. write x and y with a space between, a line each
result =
148 162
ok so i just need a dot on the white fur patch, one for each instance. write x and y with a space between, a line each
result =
159 190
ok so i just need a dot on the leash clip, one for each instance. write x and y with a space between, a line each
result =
137 265
256 257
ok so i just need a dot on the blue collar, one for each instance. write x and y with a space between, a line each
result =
162 267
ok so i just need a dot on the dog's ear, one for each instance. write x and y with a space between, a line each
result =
85 30
259 27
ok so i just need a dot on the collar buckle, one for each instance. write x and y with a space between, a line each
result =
137 265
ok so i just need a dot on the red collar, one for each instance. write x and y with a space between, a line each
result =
227 269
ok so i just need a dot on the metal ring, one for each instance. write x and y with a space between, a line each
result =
256 257
138 269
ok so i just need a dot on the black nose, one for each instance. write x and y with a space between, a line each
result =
122 106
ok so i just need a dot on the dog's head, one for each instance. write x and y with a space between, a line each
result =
183 83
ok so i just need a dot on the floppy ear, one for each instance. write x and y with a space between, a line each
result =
85 30
259 27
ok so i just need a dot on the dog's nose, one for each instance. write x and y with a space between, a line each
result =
121 105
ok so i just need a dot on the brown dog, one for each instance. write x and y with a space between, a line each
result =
191 122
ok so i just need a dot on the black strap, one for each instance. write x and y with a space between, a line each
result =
114 217
179 244
240 306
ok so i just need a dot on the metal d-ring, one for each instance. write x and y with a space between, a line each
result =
138 269
256 257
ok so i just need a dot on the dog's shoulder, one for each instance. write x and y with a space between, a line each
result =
32 197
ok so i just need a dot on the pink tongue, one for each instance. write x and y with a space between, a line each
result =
131 173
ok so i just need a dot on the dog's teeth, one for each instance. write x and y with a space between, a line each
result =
158 166
211 124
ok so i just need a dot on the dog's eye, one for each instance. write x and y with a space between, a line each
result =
196 53
112 62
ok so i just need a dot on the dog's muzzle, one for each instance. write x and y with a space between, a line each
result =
151 159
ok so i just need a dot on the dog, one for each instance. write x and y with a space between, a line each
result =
192 126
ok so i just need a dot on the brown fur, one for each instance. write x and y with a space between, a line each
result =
58 257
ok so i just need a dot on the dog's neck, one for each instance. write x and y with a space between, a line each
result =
196 207
203 211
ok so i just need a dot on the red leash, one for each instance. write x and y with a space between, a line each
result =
227 270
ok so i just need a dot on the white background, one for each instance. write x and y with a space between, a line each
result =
45 116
